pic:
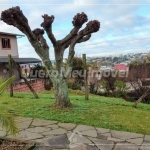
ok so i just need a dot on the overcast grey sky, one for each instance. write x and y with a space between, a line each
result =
125 24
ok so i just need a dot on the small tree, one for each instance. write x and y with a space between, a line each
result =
108 84
14 16
113 85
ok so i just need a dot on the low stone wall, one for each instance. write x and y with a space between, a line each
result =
37 84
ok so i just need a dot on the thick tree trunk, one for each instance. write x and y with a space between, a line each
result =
61 93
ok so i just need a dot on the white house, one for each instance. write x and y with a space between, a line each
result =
8 45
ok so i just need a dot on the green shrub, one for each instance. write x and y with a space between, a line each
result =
120 88
114 88
74 84
108 84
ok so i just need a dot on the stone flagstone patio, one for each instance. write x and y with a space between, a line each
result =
53 135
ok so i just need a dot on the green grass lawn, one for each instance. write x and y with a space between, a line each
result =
112 113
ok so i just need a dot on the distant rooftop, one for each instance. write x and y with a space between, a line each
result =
5 33
120 67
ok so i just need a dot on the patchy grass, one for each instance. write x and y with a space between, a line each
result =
112 113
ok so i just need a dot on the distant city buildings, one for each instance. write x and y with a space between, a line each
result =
118 62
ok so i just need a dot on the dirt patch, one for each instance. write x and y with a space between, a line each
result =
14 145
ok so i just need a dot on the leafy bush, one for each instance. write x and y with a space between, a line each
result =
115 88
74 84
70 82
120 88
77 63
48 84
108 84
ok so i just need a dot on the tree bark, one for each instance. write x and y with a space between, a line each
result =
61 93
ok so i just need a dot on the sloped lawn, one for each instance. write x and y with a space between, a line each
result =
99 111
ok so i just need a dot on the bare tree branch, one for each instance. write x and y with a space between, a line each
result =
66 45
91 27
142 97
83 35
70 56
72 44
78 21
39 34
84 39
14 16
47 25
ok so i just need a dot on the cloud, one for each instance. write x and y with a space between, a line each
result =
25 50
124 26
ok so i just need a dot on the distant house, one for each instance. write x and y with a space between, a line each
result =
121 67
8 45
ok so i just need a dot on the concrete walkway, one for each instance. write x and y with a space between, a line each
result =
50 135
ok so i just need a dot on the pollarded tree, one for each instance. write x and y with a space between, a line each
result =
14 16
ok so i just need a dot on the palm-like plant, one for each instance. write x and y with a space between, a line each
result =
7 121
5 83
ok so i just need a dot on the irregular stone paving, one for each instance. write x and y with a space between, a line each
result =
52 135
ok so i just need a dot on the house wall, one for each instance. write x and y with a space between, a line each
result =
13 50
37 85
6 74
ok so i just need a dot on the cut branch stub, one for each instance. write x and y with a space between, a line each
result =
39 35
38 32
48 20
91 27
79 19
12 15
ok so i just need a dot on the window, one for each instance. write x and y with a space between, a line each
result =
5 43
